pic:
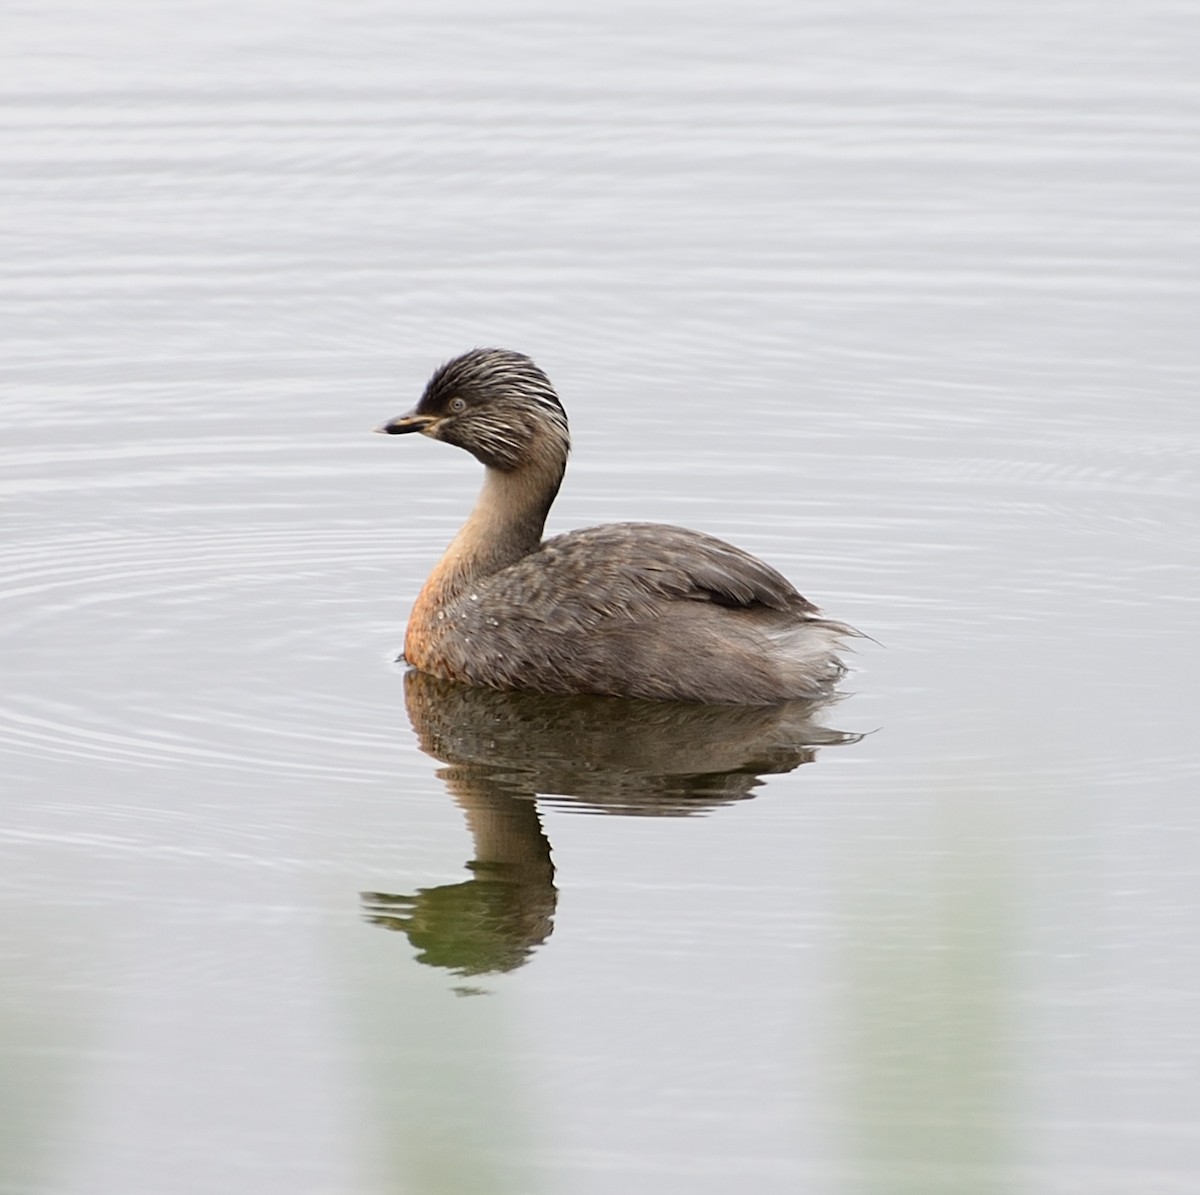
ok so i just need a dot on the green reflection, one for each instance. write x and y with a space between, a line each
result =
492 922
445 1106
926 1019
46 1031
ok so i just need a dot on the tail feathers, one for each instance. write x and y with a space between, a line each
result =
806 655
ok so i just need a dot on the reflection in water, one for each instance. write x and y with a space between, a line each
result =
605 754
492 921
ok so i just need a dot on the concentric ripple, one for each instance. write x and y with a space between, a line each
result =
208 614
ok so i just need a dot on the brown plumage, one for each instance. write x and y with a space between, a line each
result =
626 609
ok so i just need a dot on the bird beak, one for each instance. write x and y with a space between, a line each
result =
412 422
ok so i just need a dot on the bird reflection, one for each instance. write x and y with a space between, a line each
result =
605 754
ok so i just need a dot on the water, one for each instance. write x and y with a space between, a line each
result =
904 302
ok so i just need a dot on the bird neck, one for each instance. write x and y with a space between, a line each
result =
505 525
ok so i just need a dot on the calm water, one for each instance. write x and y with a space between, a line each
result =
903 299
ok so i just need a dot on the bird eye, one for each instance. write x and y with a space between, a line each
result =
457 405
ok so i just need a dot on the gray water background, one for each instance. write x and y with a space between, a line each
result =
902 298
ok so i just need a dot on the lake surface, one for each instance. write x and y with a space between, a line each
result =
905 301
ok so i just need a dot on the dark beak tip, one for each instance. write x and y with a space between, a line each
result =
412 422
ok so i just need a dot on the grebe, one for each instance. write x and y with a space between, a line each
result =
626 609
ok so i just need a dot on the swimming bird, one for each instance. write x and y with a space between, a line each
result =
625 609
